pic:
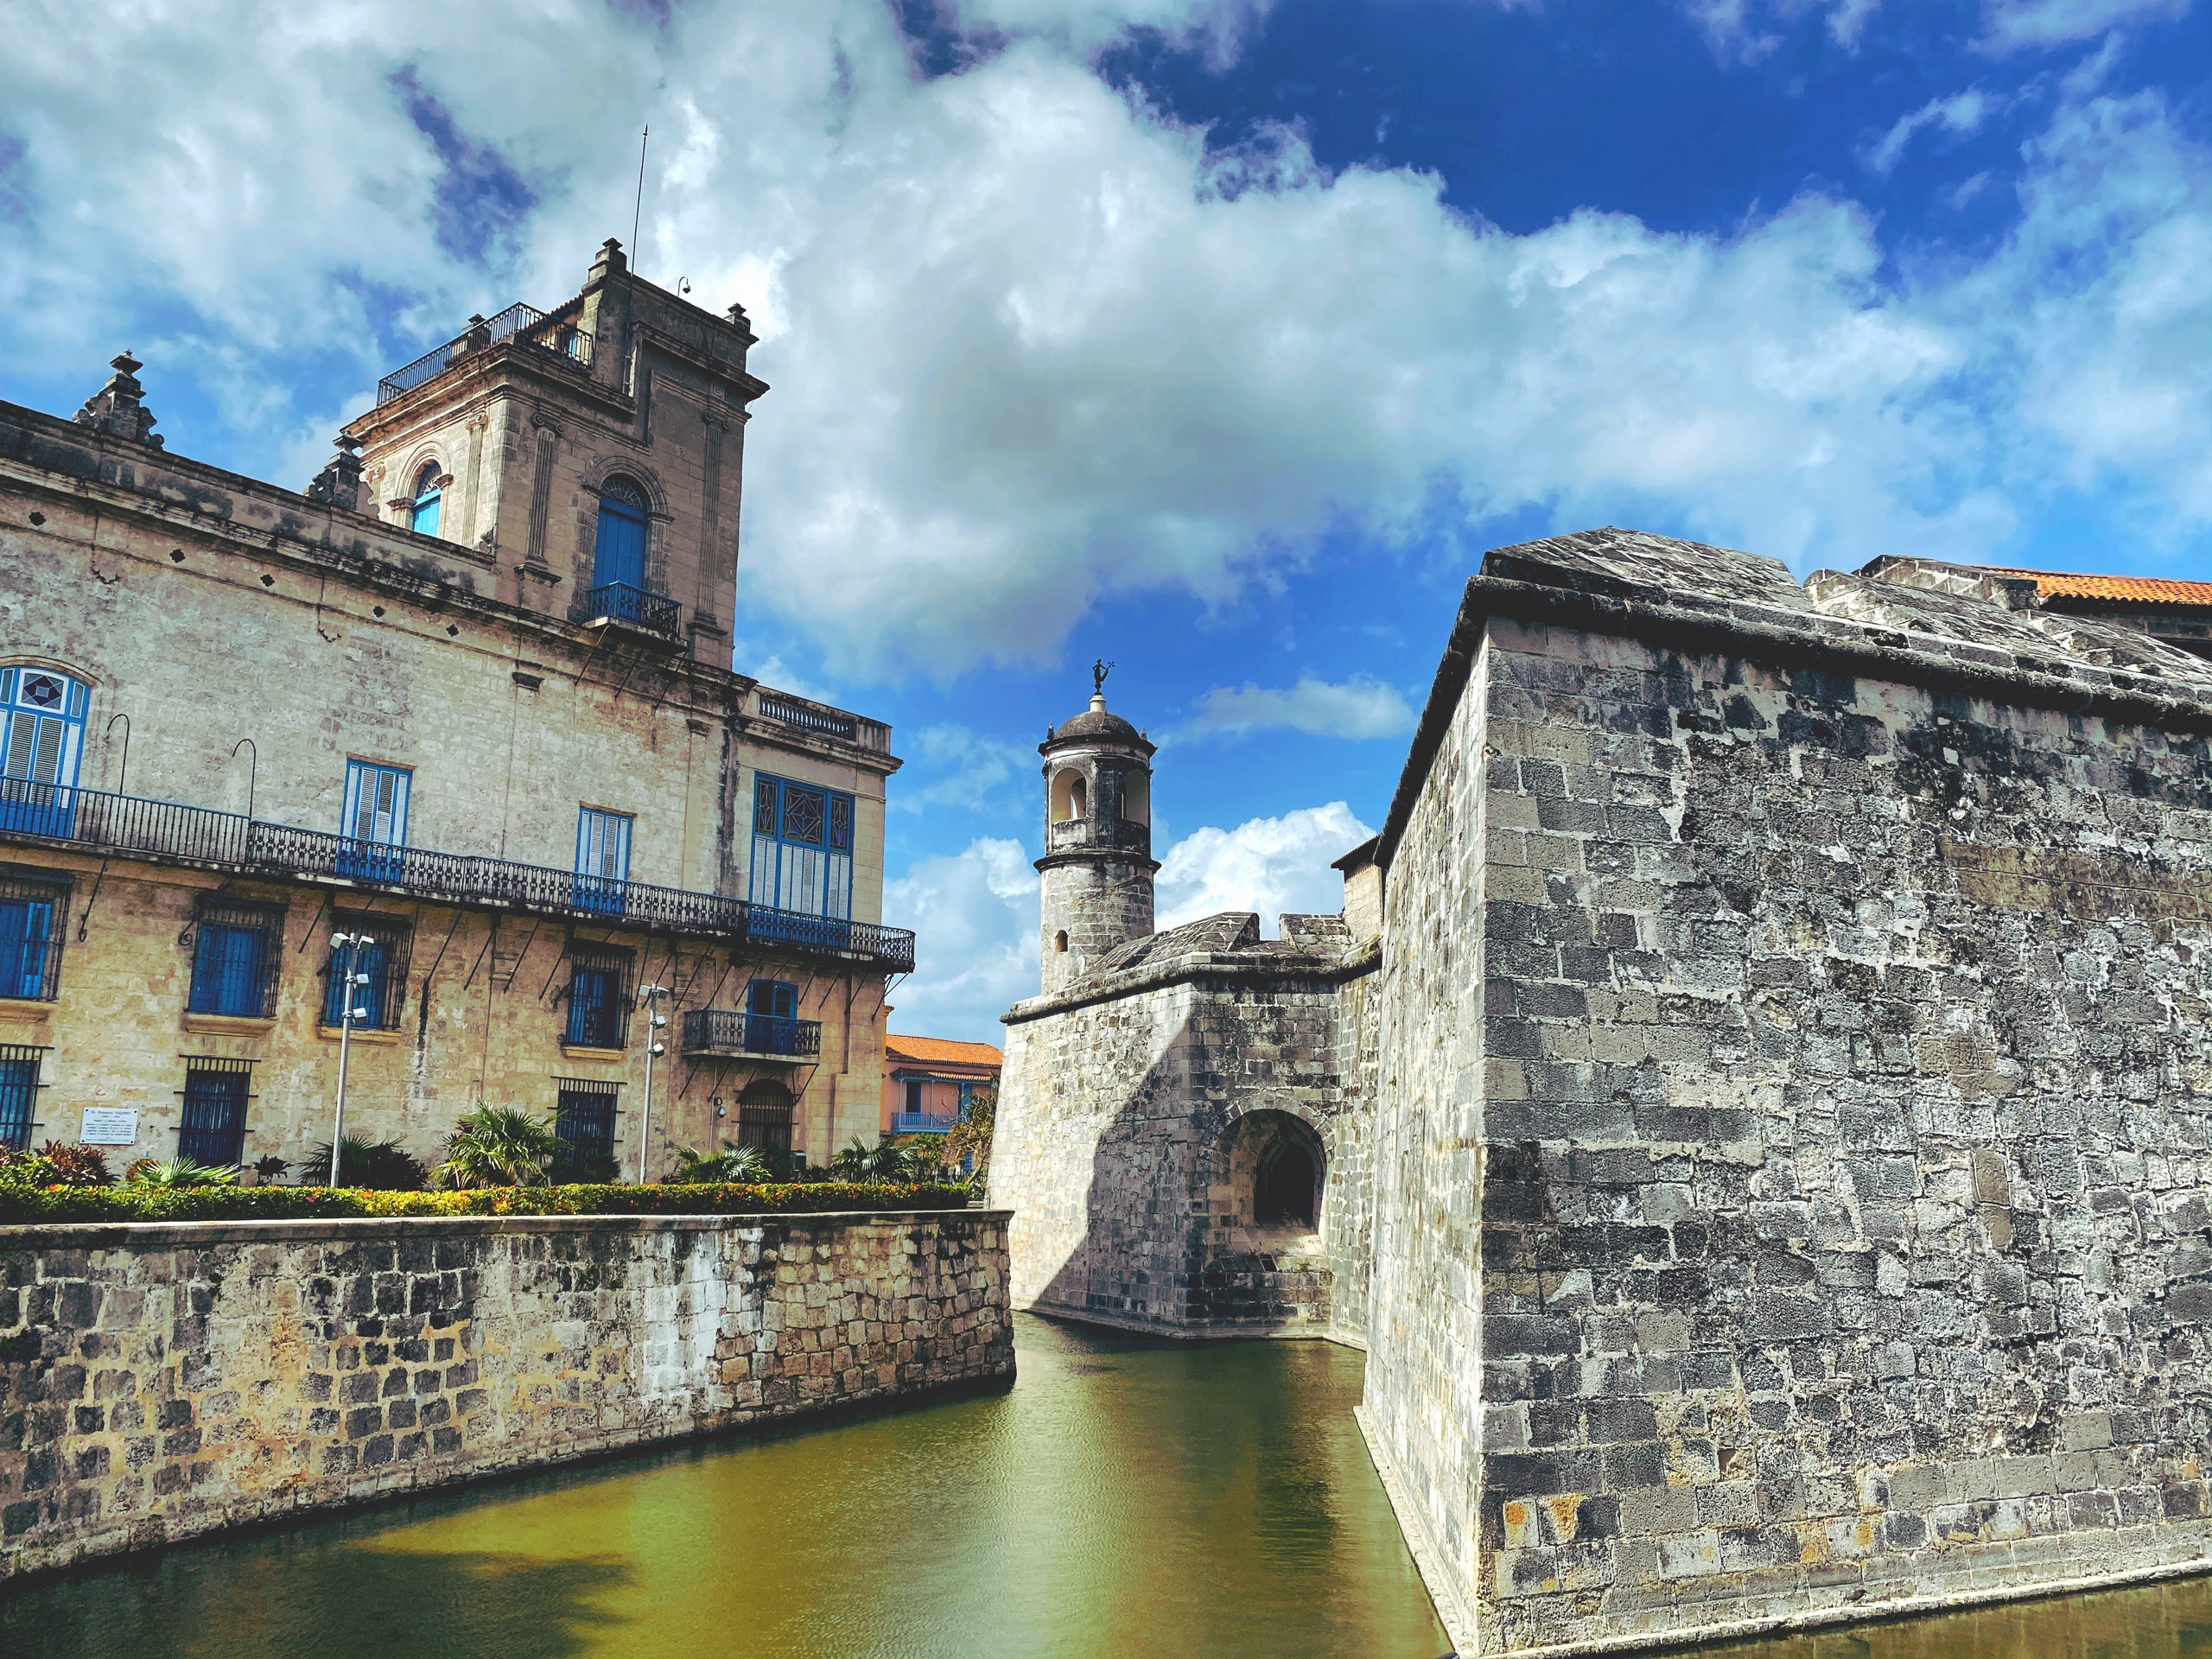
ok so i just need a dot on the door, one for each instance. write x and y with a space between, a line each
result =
375 823
603 861
42 741
770 1017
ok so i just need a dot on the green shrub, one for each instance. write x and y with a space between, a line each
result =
178 1172
25 1199
500 1146
384 1165
739 1165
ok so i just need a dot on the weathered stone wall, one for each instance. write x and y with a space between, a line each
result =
160 1382
1095 906
1117 1135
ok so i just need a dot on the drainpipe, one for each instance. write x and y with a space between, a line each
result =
655 1021
349 948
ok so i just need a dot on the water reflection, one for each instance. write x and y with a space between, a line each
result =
1126 1497
2159 1621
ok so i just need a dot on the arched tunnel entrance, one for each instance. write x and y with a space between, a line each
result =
1276 1172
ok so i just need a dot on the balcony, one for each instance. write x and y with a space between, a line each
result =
524 325
809 716
736 1034
91 821
620 605
920 1123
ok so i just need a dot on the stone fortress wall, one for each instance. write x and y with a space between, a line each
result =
1788 1161
174 1380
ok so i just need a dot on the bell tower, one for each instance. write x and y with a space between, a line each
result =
1098 865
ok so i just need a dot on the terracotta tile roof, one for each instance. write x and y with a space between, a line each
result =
940 1050
2127 590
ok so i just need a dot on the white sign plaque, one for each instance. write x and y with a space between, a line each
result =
109 1126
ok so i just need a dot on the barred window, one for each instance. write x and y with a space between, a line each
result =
598 997
585 1121
32 911
19 1087
216 1091
763 1115
234 958
384 959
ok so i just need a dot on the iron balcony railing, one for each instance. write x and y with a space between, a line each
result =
104 823
733 1031
630 608
920 1123
524 324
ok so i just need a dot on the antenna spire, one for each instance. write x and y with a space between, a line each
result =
637 210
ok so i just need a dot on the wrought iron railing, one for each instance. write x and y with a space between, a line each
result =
104 823
921 1124
524 324
734 1031
630 608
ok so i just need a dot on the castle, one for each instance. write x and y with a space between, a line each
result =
1754 1110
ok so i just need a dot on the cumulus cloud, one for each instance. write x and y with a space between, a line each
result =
1356 707
1031 343
1962 112
2009 25
974 915
1267 865
954 765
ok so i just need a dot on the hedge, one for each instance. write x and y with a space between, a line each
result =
26 1204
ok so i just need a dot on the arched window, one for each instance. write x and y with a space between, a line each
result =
1136 795
422 518
1060 940
1070 796
619 554
41 740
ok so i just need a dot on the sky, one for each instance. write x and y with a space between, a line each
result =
1218 338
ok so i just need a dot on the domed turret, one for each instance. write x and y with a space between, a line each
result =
1098 865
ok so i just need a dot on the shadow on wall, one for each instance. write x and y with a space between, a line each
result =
1213 1220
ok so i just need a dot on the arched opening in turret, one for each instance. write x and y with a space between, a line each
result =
1277 1173
1136 797
1070 796
1061 941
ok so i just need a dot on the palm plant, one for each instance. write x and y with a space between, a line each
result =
378 1166
884 1162
178 1172
736 1163
500 1146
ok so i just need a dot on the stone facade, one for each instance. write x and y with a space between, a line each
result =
1788 1149
243 646
162 1381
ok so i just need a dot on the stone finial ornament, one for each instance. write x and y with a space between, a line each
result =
339 482
119 407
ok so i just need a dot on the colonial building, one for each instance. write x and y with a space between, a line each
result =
930 1083
1752 1110
466 698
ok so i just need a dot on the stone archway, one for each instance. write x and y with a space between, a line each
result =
1276 1170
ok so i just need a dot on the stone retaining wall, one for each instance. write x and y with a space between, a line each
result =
158 1381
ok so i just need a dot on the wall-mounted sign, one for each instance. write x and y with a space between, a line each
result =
109 1126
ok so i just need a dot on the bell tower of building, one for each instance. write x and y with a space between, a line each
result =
1098 865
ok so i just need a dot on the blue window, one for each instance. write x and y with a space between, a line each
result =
619 553
375 821
802 849
233 960
585 1120
422 517
603 859
18 1092
598 998
382 959
30 942
215 1094
42 741
771 1017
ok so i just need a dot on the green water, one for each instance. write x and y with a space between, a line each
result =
1126 1498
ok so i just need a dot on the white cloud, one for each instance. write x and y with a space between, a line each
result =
975 918
2009 25
952 765
1356 708
1748 31
1267 865
1961 113
1030 343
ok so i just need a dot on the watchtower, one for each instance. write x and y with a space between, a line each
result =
1098 865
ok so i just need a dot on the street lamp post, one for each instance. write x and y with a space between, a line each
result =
655 1022
349 947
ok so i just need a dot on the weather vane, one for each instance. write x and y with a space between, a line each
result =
1099 670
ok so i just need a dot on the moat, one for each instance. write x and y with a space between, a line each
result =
1126 1498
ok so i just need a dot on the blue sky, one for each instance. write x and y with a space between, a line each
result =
1218 339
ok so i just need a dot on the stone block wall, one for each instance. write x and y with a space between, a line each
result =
162 1381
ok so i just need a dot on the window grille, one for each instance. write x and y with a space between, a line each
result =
385 961
764 1116
234 958
33 917
585 1120
802 848
213 1131
598 998
19 1087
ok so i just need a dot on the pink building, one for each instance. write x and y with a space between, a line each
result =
928 1081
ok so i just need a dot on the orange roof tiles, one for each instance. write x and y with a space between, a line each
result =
2132 590
941 1051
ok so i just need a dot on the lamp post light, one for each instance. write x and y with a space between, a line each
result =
656 1021
349 947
